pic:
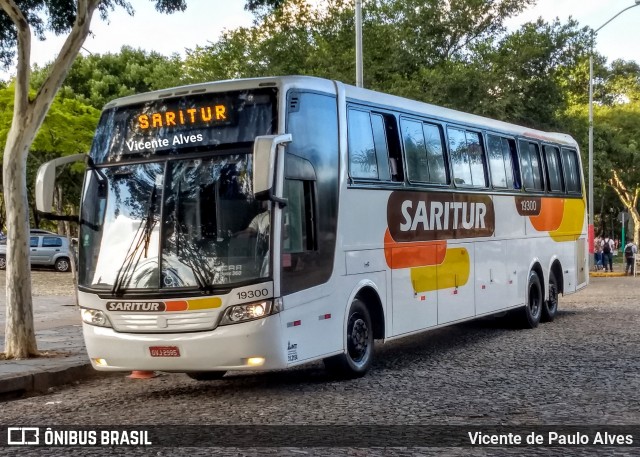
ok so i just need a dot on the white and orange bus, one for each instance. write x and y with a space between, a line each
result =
265 223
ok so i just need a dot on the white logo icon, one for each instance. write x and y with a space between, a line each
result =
23 435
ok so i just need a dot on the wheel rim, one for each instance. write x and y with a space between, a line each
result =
535 301
63 265
358 339
3 262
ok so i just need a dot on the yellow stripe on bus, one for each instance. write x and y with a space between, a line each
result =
452 272
572 221
205 303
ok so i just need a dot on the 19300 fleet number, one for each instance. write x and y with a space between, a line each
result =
251 294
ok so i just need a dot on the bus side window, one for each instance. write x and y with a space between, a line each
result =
396 168
511 151
382 148
363 161
554 171
299 234
467 158
504 172
571 170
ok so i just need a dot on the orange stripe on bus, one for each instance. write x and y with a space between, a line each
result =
176 305
550 217
417 254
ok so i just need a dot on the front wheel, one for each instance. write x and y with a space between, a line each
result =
550 308
357 359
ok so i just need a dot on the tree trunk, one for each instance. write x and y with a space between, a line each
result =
629 199
20 338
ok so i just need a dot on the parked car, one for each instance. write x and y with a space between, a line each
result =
46 249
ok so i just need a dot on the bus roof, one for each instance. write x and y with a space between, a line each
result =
355 94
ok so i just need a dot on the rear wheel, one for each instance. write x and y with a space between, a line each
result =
532 312
550 308
3 262
357 359
62 264
207 375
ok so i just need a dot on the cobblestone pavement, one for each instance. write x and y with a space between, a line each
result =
580 370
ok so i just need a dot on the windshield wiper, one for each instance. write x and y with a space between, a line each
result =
197 272
140 240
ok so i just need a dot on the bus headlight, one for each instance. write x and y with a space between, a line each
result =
94 317
242 313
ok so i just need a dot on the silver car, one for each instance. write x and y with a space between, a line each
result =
46 249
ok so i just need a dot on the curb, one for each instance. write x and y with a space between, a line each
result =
594 274
41 381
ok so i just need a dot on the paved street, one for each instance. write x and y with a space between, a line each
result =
580 370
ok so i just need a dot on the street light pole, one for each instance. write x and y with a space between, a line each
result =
359 43
591 232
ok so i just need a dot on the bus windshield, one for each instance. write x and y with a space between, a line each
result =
187 223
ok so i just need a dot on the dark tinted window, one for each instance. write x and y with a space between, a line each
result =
531 166
368 150
500 151
424 152
314 127
51 241
571 167
33 242
467 158
554 171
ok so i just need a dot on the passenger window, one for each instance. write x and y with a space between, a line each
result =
570 164
531 166
298 216
496 162
500 153
424 152
554 171
382 149
363 162
33 242
415 150
467 158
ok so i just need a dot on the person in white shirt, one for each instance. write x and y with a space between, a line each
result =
607 253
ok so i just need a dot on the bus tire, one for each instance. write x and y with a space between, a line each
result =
206 375
532 312
550 307
357 359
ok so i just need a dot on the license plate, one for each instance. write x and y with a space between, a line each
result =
164 351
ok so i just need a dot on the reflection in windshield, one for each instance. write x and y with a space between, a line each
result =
212 231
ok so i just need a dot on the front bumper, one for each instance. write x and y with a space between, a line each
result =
227 347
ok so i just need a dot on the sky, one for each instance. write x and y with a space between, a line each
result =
204 20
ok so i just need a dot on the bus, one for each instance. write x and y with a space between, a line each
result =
265 223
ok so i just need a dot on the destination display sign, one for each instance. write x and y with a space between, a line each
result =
172 125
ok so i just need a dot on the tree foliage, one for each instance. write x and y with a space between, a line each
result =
98 79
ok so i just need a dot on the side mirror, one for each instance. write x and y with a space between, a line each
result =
265 150
46 181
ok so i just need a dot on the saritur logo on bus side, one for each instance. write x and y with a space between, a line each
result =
417 216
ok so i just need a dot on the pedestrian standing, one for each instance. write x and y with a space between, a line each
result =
630 252
597 252
607 253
